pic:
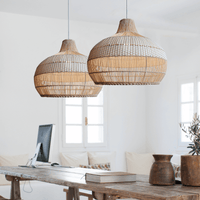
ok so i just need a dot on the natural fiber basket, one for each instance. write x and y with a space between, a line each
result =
127 58
65 74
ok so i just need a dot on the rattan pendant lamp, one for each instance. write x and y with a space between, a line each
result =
127 58
65 74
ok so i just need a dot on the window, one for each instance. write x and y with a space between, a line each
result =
189 103
84 121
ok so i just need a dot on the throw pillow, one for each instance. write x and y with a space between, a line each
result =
177 172
139 163
74 159
102 157
105 166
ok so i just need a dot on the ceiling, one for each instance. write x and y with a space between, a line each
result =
179 15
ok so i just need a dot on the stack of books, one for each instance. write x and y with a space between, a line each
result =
110 177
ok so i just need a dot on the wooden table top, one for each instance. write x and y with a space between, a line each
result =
74 177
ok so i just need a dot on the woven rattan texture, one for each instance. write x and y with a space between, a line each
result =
65 75
127 58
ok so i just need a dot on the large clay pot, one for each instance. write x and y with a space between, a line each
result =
162 172
190 170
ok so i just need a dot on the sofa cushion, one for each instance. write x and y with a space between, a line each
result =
74 159
11 161
139 163
102 157
103 166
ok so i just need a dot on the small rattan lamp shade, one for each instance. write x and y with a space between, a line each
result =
65 74
127 58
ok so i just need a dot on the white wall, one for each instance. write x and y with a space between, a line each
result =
126 121
162 128
24 42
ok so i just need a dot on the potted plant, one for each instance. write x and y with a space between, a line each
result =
190 164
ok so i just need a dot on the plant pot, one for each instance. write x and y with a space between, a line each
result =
162 172
190 170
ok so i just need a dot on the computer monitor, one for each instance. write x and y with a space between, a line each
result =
44 144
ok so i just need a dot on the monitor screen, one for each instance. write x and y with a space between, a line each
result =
44 137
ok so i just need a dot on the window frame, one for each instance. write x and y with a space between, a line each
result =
85 145
184 80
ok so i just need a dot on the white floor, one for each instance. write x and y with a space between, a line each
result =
41 191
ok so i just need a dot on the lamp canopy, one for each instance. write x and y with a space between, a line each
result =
127 58
65 74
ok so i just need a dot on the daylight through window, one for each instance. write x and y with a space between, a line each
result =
84 121
189 103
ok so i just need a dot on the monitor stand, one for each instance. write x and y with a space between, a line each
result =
33 160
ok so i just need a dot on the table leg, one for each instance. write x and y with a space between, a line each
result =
70 193
73 193
102 196
98 196
110 197
15 189
76 194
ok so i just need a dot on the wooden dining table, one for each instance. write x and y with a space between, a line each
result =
74 179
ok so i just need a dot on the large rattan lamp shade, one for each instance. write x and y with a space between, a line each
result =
65 74
127 58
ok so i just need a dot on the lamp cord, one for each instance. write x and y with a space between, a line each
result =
68 19
126 9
